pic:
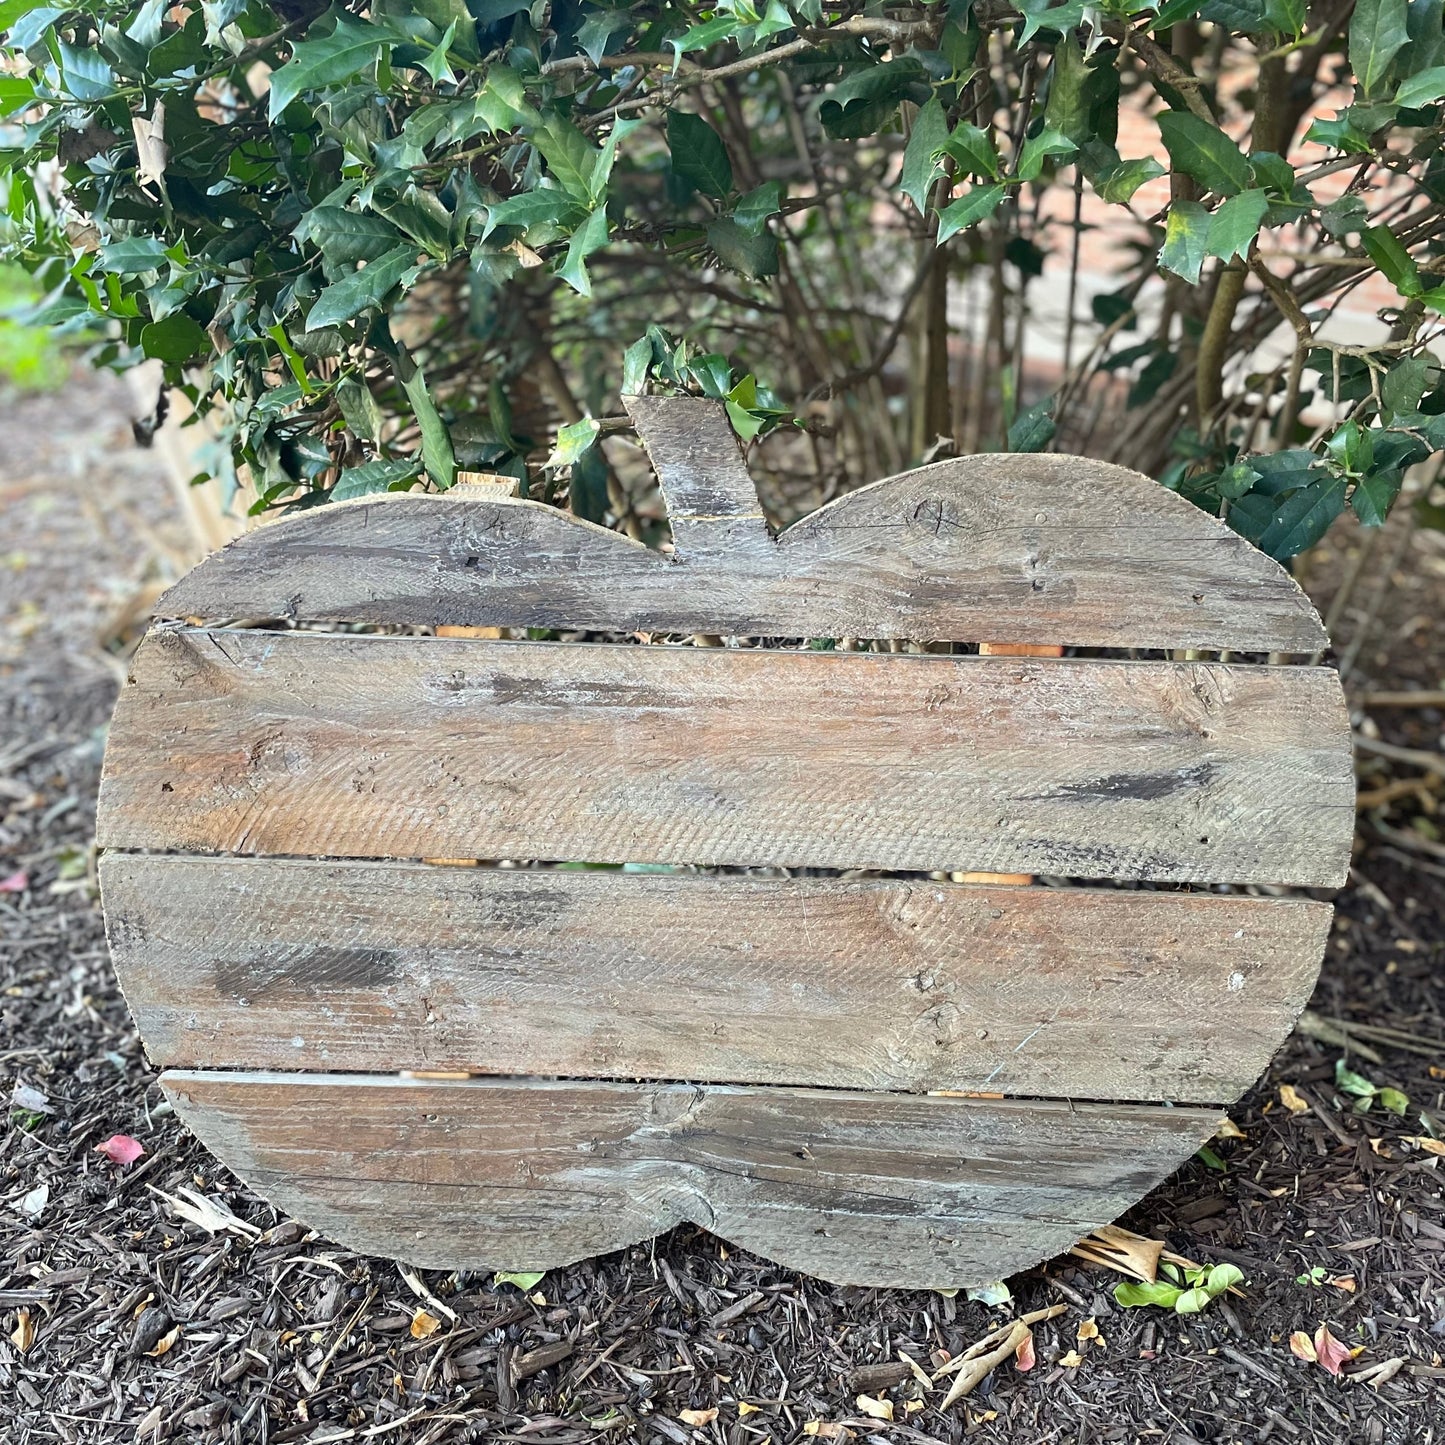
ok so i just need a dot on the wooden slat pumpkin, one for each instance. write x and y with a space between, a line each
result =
846 1064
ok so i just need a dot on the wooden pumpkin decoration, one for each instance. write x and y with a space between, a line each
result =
850 1066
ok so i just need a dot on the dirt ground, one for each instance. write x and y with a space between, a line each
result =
122 1321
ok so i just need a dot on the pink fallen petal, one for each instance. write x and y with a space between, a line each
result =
17 882
1330 1352
121 1149
1024 1359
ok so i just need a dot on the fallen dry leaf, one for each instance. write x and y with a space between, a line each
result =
212 1215
1425 1142
424 1325
1072 1360
745 1409
878 1409
974 1364
827 1430
983 1416
33 1204
121 1149
163 1345
1345 1282
1229 1130
16 882
1291 1098
23 1335
919 1373
1302 1347
1089 1330
1436 1072
697 1418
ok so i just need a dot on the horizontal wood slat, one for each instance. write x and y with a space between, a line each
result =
872 1189
265 963
368 746
1027 548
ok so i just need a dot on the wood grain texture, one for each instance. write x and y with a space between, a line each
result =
860 984
872 1189
1029 548
373 746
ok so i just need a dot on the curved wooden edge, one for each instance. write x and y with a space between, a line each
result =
867 1189
256 963
1045 549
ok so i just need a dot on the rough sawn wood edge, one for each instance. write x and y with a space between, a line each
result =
866 1189
957 550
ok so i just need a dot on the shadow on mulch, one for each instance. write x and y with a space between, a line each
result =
149 1328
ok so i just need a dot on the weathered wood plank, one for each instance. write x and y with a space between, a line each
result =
861 984
712 504
375 746
873 1189
1030 548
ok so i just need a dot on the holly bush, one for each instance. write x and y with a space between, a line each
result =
382 241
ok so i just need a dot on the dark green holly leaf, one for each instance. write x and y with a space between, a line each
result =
975 149
549 208
1378 33
1233 227
1040 15
1033 429
1423 89
1235 480
175 339
1374 496
1344 216
1186 239
345 237
590 236
1038 148
132 256
698 153
354 47
436 443
1303 518
1404 385
1396 264
753 255
1204 152
1339 135
921 163
868 99
598 30
975 206
754 209
377 476
363 290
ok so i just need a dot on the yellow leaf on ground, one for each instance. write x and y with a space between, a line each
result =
165 1342
878 1409
745 1409
697 1418
1089 1330
1291 1098
1072 1360
827 1430
1229 1130
23 1335
1345 1282
1429 1145
424 1326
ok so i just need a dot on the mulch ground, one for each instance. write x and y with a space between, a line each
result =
123 1321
